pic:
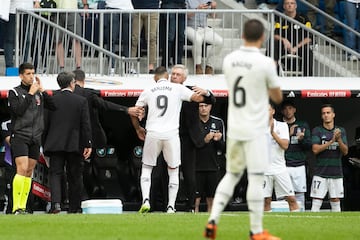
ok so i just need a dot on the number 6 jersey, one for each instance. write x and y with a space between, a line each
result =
248 74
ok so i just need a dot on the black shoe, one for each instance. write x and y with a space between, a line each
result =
55 209
75 211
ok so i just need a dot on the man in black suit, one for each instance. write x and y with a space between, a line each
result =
191 135
97 104
67 142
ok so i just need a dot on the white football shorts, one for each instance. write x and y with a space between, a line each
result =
170 148
281 183
320 186
298 178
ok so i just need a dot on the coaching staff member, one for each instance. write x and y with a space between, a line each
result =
67 142
96 105
26 105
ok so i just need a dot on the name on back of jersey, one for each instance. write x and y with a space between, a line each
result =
161 88
242 64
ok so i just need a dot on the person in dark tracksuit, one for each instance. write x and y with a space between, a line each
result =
26 105
207 163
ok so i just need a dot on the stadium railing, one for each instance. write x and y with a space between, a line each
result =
37 33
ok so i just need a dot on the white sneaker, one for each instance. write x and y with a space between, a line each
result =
263 6
352 58
132 71
170 209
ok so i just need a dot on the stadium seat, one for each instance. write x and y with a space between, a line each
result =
290 65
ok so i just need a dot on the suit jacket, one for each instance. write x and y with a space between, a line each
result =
96 104
190 128
68 128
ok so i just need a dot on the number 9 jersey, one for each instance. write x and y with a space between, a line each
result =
164 100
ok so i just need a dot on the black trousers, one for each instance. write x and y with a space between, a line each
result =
188 163
73 163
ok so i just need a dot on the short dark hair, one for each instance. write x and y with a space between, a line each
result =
64 79
79 75
253 30
287 102
327 105
160 70
25 66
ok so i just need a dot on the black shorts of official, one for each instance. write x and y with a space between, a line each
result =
206 183
24 147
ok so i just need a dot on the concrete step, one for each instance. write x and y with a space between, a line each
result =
214 22
228 33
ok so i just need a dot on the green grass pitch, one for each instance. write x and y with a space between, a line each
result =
184 226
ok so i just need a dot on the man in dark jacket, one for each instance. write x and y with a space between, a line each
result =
67 142
26 104
191 135
97 104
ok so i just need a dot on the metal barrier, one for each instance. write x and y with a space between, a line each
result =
107 49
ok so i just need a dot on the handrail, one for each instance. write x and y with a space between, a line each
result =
73 35
329 17
231 21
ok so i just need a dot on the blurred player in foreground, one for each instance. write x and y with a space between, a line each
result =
252 79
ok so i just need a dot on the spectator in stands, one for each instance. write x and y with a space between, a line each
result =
207 165
148 22
172 33
329 9
352 9
295 155
8 28
292 39
117 27
261 4
329 144
71 21
198 32
276 176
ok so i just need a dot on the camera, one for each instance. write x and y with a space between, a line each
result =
208 3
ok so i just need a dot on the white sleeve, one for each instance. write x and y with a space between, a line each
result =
185 93
142 100
284 131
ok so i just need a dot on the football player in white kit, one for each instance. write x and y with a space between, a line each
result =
251 79
163 100
276 176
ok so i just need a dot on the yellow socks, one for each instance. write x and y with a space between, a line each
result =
21 189
18 186
25 192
